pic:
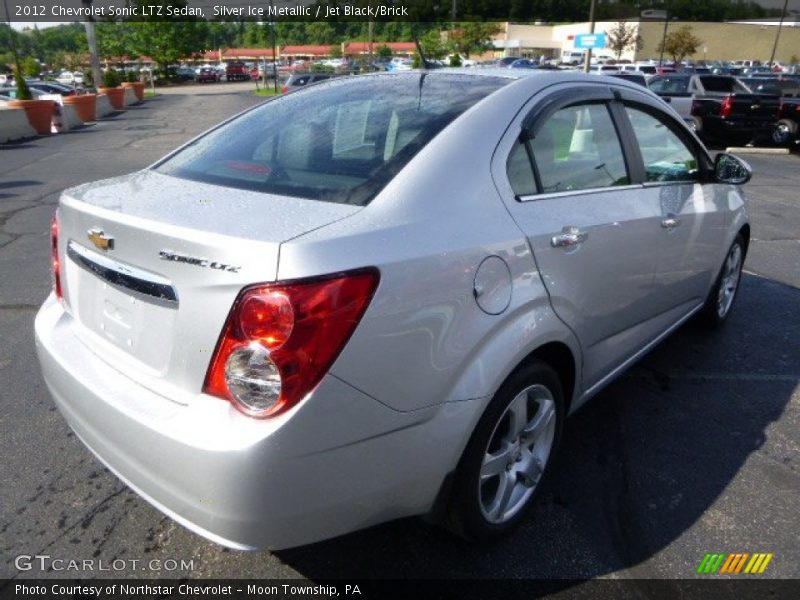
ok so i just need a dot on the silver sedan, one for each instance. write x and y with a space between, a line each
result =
381 296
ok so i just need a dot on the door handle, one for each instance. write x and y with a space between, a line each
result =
569 236
670 223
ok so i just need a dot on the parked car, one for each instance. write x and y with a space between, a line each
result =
11 92
301 80
632 76
505 61
718 106
726 110
208 75
49 87
267 335
399 63
603 69
772 86
182 73
237 71
70 77
379 64
524 63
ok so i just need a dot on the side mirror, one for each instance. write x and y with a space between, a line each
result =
731 169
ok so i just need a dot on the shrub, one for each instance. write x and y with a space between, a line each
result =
110 79
23 91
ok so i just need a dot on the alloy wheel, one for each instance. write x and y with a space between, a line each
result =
517 453
729 282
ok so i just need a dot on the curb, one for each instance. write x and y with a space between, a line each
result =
753 150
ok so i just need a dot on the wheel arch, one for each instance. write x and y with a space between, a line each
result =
562 359
744 231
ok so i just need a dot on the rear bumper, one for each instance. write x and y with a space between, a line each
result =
717 125
338 462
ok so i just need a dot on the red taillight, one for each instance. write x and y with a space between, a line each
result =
280 339
726 108
56 264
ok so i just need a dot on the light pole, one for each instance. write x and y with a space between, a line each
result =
664 35
91 41
778 34
274 51
588 58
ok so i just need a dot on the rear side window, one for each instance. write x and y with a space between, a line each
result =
341 141
578 148
520 173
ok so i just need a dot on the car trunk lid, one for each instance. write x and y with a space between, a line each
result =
151 265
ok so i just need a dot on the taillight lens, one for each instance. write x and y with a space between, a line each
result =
56 264
280 339
727 107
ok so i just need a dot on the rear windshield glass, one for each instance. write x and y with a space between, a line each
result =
341 141
723 84
677 84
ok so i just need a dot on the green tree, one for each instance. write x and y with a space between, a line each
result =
680 43
622 37
473 37
335 51
166 42
23 91
30 66
384 51
434 45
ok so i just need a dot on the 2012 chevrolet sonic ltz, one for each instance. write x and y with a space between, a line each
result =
381 296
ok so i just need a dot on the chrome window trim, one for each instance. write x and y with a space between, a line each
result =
651 184
148 285
581 192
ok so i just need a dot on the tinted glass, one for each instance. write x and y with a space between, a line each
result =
669 84
340 141
715 83
666 157
520 172
578 148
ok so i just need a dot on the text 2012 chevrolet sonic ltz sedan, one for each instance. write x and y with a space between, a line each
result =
381 296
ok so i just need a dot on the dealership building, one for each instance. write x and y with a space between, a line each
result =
719 41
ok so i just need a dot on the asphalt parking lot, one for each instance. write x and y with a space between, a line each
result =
695 450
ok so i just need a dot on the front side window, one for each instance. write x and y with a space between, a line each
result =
577 148
666 157
341 141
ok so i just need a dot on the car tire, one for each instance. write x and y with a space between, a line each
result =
508 455
784 132
720 300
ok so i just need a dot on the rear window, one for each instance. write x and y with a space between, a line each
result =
341 141
678 84
722 84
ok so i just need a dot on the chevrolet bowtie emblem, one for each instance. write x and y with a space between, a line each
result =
101 240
